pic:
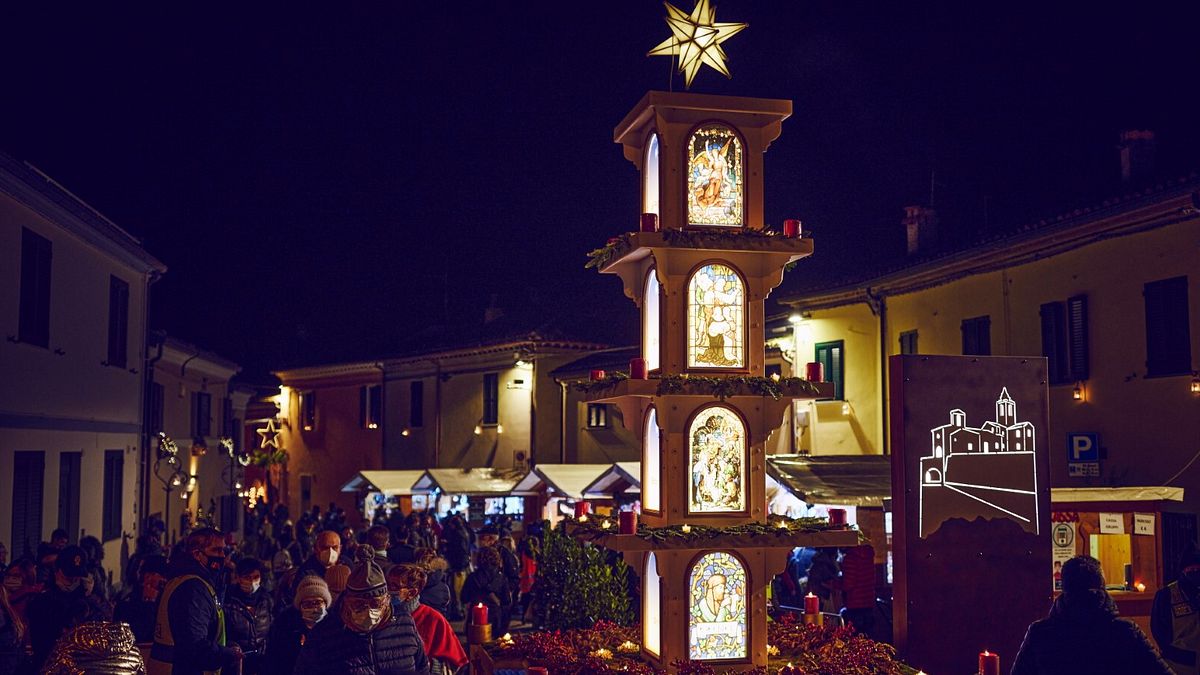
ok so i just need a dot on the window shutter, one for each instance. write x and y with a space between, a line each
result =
1077 337
28 477
1168 340
1053 342
362 405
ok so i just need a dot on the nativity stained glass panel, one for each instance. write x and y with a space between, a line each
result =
716 462
717 608
716 318
716 177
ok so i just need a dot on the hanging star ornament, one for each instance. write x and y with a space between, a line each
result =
270 436
696 40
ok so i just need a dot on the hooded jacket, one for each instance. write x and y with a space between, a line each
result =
392 648
1084 634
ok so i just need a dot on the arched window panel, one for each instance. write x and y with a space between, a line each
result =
651 464
650 176
651 611
651 346
716 318
716 461
717 608
716 177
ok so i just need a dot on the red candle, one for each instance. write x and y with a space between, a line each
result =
989 663
791 228
837 517
637 369
627 523
649 222
812 605
582 508
479 615
597 375
814 371
536 670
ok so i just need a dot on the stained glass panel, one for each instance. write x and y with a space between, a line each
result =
716 179
716 318
717 462
651 630
717 608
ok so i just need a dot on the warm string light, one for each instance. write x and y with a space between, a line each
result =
686 529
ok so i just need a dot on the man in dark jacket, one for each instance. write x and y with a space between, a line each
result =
189 634
139 608
488 586
63 604
364 635
1083 633
248 612
1175 617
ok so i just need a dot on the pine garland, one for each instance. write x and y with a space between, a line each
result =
593 528
728 238
719 387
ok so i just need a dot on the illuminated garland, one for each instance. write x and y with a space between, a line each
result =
596 527
728 238
719 387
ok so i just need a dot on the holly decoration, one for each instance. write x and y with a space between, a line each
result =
578 584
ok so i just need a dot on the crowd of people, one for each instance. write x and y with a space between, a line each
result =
309 596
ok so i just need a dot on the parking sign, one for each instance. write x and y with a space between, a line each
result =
1083 447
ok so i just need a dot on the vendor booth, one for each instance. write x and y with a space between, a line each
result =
620 484
479 494
389 490
553 489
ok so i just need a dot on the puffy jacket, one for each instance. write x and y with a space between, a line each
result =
393 648
1083 634
51 612
436 593
247 618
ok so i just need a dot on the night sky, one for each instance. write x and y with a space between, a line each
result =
328 183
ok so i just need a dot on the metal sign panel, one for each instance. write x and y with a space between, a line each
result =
971 505
1083 447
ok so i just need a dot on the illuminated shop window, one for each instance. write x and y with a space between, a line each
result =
651 491
717 608
716 177
716 462
716 318
651 631
650 177
650 321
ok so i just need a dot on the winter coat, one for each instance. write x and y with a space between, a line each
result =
193 624
511 566
393 648
52 612
457 545
139 614
436 593
287 636
1083 634
247 619
11 648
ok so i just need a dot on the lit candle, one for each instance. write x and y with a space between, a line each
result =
605 524
627 523
789 669
597 375
812 604
637 369
989 663
837 517
791 228
814 371
649 222
479 615
686 528
582 509
1141 588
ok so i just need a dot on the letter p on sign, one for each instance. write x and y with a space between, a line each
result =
1083 448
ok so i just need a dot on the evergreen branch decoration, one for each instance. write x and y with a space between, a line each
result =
727 238
719 387
593 528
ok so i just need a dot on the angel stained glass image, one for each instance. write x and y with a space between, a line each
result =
716 316
716 460
717 608
715 177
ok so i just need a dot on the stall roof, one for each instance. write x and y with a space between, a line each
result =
389 483
628 472
850 480
471 482
568 480
1116 494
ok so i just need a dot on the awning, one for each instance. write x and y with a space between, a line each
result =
568 480
846 480
1116 494
482 481
620 473
390 483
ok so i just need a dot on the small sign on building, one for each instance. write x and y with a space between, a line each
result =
1143 523
1083 469
1112 523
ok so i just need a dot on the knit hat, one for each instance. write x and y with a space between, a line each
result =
367 579
337 576
312 587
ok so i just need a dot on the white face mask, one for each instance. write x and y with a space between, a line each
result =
313 616
366 619
249 587
328 557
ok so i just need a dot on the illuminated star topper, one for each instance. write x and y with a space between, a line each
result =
270 435
696 39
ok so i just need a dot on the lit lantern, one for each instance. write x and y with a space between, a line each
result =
1077 392
1195 386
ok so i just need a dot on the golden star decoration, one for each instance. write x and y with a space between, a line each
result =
696 39
270 436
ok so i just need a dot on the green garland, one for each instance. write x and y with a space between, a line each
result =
719 387
735 238
774 527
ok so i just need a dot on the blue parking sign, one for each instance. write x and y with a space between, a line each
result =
1083 447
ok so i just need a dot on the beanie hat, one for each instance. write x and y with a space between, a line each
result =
312 587
1082 573
367 579
281 560
337 576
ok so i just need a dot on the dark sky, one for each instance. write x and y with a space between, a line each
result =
325 181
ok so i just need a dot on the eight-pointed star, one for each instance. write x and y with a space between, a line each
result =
696 39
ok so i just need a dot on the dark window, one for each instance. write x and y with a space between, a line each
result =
154 405
1054 341
69 464
34 324
1168 340
114 486
1077 337
201 414
118 322
227 428
491 398
597 416
28 476
308 410
832 356
370 398
977 336
908 342
416 403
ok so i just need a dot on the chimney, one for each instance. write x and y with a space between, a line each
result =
921 226
1137 154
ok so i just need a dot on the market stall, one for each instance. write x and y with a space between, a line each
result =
551 488
620 483
480 493
389 490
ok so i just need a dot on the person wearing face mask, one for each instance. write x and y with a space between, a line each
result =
327 552
363 635
65 600
139 607
405 584
189 630
248 612
1175 617
290 631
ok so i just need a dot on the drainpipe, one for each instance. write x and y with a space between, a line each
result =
562 435
533 414
148 363
878 305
